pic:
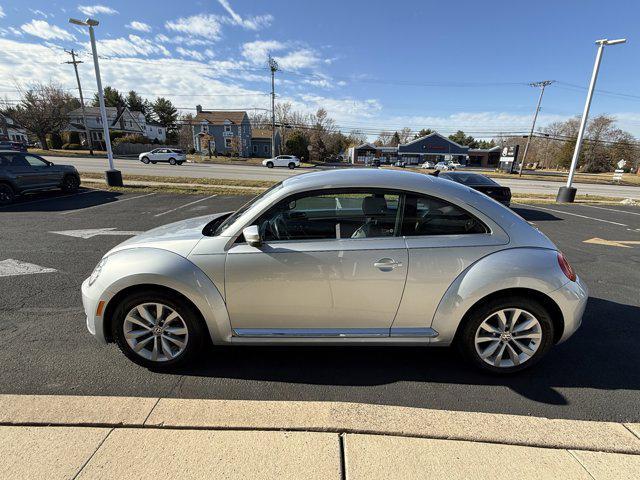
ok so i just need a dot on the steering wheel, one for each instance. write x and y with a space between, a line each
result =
279 227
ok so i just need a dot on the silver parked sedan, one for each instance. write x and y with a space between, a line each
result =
356 257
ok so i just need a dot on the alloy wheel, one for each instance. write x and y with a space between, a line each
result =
155 332
508 337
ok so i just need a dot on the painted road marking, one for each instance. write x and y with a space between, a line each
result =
106 204
574 214
613 243
185 205
612 209
93 232
54 198
11 267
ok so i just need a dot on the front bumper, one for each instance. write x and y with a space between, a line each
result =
572 300
90 301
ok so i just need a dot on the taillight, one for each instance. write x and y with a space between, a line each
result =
566 267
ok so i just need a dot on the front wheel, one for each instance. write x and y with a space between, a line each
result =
157 330
70 184
507 335
145 160
269 164
292 166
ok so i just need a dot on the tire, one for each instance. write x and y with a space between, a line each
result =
172 161
7 194
70 184
188 318
540 336
145 160
153 162
292 166
179 163
269 164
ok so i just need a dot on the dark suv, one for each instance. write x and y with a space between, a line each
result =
24 172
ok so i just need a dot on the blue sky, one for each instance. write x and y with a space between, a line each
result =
372 64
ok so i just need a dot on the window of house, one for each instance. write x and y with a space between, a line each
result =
227 128
266 149
227 142
425 215
255 149
345 214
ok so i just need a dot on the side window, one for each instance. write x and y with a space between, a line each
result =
35 161
340 215
432 216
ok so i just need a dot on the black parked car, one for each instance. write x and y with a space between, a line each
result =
482 184
24 172
9 145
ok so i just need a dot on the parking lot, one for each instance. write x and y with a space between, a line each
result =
50 242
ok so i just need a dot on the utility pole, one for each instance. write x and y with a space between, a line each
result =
541 85
273 66
75 63
568 194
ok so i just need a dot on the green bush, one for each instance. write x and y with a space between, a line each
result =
71 146
54 140
131 138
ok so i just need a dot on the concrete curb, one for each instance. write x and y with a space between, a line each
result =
335 417
149 183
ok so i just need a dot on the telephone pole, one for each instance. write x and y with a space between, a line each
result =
541 85
75 63
273 66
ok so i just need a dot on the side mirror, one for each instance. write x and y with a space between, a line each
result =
252 236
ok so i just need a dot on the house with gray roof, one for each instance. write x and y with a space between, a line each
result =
120 119
222 132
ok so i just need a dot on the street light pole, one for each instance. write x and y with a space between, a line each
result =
112 176
567 194
542 85
273 66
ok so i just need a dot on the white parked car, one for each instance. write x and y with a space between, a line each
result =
444 166
455 164
171 155
427 164
290 161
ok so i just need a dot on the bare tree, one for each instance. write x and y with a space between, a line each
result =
406 135
383 139
43 109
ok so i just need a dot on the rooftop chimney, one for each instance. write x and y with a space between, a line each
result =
198 108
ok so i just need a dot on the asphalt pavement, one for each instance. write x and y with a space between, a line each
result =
45 348
132 166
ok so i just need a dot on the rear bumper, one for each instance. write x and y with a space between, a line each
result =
572 300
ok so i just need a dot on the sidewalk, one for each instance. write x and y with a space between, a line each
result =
138 438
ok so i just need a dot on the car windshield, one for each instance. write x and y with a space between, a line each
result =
470 179
238 213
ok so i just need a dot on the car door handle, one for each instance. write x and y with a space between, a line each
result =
387 264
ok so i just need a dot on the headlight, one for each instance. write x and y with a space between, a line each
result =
96 271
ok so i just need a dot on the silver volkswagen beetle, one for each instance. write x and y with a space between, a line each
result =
351 257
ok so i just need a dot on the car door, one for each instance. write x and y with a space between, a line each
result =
331 265
47 174
23 174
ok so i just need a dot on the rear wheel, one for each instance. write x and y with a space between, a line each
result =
269 164
172 161
70 183
157 330
145 160
292 166
6 194
180 163
507 335
154 162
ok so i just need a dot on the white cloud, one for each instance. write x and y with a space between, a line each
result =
91 10
250 23
139 26
38 12
46 31
196 55
256 52
130 46
303 58
207 26
15 31
2 14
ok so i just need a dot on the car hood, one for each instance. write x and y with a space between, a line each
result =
178 237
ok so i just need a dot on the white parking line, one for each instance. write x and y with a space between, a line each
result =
573 214
53 198
611 209
106 204
185 205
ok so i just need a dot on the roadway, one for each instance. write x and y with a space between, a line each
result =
251 172
45 348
